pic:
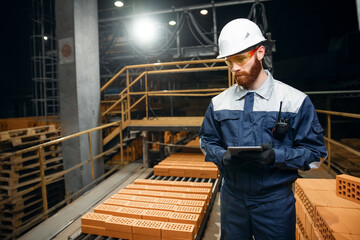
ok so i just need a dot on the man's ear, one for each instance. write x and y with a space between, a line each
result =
260 53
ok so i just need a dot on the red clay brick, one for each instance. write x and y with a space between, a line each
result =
141 205
123 197
176 171
187 218
192 203
180 184
116 202
143 181
130 192
200 191
116 234
152 193
136 186
187 209
178 231
344 236
173 195
315 184
178 189
145 199
94 219
348 187
107 209
130 212
93 230
156 215
119 224
162 207
202 184
161 170
147 227
198 197
337 220
172 201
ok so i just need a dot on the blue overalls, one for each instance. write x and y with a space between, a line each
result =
258 201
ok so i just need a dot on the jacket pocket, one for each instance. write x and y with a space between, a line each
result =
229 122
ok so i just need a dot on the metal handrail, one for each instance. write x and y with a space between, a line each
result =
126 92
330 141
158 65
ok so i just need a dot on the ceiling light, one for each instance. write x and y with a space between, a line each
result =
144 30
45 38
172 23
204 12
118 3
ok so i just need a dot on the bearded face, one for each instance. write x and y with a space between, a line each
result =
247 78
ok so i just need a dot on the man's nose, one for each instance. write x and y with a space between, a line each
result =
236 67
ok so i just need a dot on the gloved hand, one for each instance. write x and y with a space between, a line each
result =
231 161
262 158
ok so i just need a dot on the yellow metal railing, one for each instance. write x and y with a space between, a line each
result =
48 179
328 138
124 96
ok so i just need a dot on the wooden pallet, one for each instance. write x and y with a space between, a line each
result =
27 132
20 194
13 218
16 139
345 161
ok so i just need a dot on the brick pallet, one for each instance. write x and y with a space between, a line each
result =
187 165
321 214
20 201
151 209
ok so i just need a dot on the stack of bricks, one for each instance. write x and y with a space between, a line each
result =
151 209
194 146
191 165
323 208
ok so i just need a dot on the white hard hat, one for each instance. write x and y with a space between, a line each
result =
238 35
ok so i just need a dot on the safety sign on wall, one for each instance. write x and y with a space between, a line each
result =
66 50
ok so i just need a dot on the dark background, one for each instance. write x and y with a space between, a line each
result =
317 46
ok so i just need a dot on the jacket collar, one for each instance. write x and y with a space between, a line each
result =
264 91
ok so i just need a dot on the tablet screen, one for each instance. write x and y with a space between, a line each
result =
236 150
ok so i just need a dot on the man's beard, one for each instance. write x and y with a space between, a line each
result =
247 79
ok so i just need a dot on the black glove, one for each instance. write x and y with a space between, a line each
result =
229 161
262 158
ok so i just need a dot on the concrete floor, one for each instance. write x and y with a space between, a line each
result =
212 231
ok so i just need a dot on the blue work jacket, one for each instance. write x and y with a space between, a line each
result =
238 117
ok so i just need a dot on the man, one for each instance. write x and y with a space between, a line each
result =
256 194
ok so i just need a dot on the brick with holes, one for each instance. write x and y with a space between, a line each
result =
156 215
107 209
147 228
175 231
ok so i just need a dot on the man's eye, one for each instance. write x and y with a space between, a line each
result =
240 59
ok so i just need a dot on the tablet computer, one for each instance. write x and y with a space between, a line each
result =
236 150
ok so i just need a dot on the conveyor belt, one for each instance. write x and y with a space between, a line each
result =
215 189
